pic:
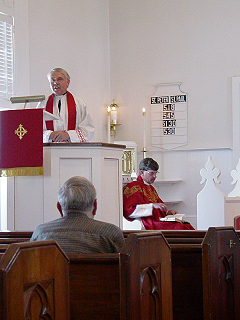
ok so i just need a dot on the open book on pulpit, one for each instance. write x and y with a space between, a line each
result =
178 217
49 116
21 142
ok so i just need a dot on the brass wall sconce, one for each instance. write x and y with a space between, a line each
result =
112 120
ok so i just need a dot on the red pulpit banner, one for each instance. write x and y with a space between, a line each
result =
21 142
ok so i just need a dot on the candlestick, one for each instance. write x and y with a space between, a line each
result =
114 115
144 132
108 125
114 120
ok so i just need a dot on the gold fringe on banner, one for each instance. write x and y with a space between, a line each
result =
22 171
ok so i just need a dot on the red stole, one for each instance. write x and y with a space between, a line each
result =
71 111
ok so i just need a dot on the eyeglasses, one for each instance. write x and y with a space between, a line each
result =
153 173
60 79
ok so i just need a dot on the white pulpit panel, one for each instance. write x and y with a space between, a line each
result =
28 202
69 167
110 192
100 163
32 200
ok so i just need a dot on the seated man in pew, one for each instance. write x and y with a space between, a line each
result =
77 231
140 200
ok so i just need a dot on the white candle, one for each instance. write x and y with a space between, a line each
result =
144 129
108 125
114 115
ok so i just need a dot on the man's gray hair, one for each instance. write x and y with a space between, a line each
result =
77 193
61 70
148 163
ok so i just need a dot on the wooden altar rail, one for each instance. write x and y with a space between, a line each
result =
31 282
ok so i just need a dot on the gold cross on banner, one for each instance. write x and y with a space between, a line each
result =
20 131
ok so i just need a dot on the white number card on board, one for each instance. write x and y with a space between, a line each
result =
169 117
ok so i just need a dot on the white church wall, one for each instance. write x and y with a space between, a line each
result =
73 35
196 44
21 39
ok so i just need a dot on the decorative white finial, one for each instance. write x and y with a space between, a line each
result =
236 179
210 173
210 200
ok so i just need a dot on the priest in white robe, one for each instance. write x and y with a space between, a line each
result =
75 123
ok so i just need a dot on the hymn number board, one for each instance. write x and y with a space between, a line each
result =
169 117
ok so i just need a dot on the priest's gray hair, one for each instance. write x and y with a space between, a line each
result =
148 163
77 193
60 70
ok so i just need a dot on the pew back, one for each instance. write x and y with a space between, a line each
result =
187 286
94 286
134 284
186 255
33 282
221 274
146 277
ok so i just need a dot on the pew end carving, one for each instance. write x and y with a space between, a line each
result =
149 275
221 274
134 284
32 282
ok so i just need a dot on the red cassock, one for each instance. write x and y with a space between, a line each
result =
137 192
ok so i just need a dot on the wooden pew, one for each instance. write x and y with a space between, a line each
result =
16 234
7 237
221 274
135 284
187 286
33 282
186 250
187 275
187 279
205 273
193 279
186 255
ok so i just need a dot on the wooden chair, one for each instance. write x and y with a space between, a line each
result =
221 274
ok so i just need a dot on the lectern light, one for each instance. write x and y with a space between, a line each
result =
26 99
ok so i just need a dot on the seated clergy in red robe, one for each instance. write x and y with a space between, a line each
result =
140 200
